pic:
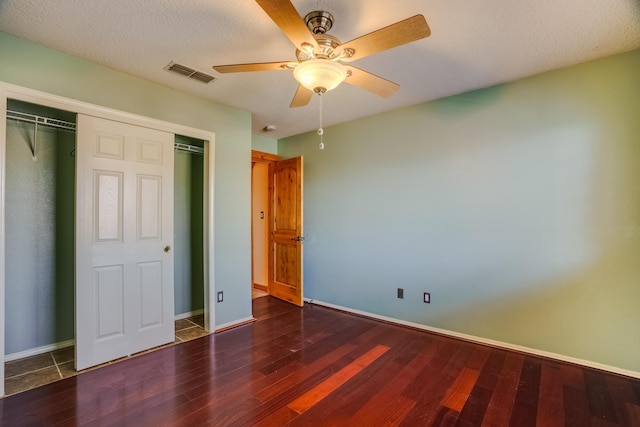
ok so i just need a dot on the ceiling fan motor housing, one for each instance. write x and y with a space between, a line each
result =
327 45
319 21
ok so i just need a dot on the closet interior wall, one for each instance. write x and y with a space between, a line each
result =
188 229
39 232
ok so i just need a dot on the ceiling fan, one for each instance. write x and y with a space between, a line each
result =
322 61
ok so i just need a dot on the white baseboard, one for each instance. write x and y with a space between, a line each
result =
235 323
189 314
480 340
38 350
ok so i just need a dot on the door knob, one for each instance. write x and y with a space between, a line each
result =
167 249
298 239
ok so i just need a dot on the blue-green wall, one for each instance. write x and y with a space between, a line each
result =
39 237
33 66
264 144
188 240
517 207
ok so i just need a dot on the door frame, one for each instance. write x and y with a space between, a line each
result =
268 159
9 91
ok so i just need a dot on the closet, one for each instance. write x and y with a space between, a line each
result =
40 228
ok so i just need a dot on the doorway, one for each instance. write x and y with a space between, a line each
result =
260 214
277 226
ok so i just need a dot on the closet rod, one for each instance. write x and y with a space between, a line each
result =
71 127
188 148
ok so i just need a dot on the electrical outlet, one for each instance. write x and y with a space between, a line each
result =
400 293
427 297
220 296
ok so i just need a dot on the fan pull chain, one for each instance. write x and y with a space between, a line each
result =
320 130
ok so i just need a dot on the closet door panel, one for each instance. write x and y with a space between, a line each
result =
108 206
109 302
124 235
149 207
149 280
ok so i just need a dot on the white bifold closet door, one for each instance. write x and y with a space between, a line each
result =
124 238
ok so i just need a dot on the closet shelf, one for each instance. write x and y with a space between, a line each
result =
188 148
45 121
71 127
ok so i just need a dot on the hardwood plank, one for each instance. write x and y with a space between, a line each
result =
388 403
351 397
431 384
444 417
458 393
283 392
550 402
623 399
634 414
576 407
503 398
490 371
475 407
525 411
635 386
280 417
323 389
275 388
323 363
396 410
600 401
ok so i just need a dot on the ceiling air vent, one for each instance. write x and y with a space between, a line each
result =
188 72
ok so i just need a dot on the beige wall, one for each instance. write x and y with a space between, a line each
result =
260 204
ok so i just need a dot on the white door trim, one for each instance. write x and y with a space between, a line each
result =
9 91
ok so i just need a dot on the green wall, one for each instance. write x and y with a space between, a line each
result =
517 207
33 66
264 144
39 268
188 229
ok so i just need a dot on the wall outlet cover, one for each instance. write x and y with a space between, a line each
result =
427 297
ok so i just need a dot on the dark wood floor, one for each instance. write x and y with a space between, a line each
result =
317 367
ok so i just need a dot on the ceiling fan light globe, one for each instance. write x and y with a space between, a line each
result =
320 75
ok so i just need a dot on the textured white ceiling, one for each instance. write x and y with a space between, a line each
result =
474 44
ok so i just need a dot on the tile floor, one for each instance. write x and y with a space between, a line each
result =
31 372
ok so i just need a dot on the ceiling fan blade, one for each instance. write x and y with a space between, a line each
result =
371 82
302 97
285 15
260 66
406 31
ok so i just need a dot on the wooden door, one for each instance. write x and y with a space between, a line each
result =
286 238
124 235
